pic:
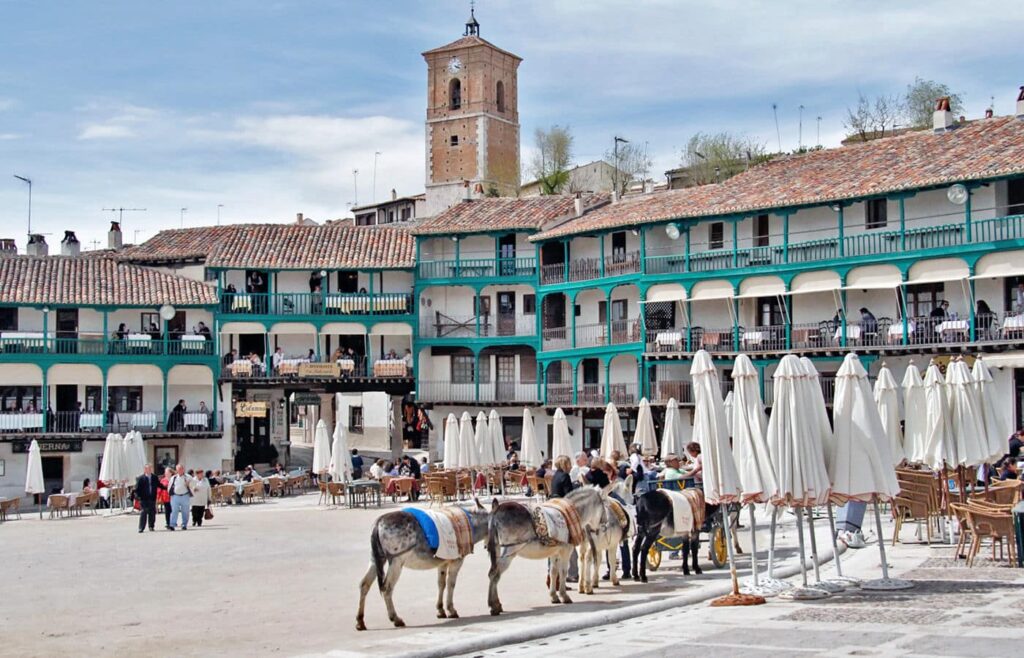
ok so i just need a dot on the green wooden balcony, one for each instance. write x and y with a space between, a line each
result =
316 304
22 345
479 268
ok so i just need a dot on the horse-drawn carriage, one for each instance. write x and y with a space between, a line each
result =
712 527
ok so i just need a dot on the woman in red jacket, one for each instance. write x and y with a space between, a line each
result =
163 498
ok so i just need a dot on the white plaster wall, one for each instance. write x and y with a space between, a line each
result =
395 281
476 246
588 248
294 345
375 436
21 374
711 313
813 307
195 272
453 301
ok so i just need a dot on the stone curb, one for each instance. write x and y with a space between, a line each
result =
597 619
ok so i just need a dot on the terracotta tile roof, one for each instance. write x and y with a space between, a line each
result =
979 150
468 42
336 245
93 281
504 214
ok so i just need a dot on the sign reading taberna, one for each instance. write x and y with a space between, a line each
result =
305 399
54 445
250 409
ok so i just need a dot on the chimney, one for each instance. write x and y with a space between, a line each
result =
988 113
37 246
8 247
942 119
578 205
298 218
1020 104
467 193
114 238
394 195
69 246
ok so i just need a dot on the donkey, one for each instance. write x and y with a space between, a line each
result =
512 532
614 529
653 520
398 541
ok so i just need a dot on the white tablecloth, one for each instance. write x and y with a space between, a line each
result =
389 368
668 338
896 328
852 332
951 326
754 337
144 419
19 421
196 419
346 365
140 337
1013 322
241 303
195 342
90 421
22 335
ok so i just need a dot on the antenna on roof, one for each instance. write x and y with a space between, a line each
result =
775 113
121 211
800 131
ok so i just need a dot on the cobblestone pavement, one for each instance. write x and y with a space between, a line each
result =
951 611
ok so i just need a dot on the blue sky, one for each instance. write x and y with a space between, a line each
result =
267 107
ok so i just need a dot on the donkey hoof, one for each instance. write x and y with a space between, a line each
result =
398 622
452 614
441 615
495 612
566 600
360 625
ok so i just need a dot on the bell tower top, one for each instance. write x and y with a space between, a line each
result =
472 26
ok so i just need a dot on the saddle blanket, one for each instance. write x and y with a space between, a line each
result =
448 531
687 510
558 521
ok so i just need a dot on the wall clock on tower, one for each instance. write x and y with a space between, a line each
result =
454 65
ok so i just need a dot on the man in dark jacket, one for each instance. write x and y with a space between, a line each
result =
145 492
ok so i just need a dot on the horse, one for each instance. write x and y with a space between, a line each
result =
614 529
512 531
398 541
654 519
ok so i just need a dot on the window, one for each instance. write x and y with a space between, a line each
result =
365 219
602 312
8 319
619 247
209 275
578 310
923 297
454 94
875 213
527 368
716 235
499 95
529 304
462 369
391 216
1015 196
483 305
761 228
20 398
619 309
454 140
355 419
148 320
348 281
93 398
406 213
124 398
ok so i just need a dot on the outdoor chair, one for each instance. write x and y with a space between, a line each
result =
225 492
323 492
336 491
883 330
464 483
254 490
404 487
960 514
9 506
997 526
58 504
276 486
1002 493
826 333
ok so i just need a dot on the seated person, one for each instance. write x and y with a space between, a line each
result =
85 486
673 469
697 467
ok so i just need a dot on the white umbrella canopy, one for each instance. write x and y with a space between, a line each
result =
672 434
862 465
560 435
915 425
611 435
497 435
529 450
730 409
721 480
341 462
482 441
966 415
34 483
134 455
750 434
451 442
888 403
817 397
645 435
112 464
467 451
997 429
321 448
801 476
939 443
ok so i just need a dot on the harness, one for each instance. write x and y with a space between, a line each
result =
568 512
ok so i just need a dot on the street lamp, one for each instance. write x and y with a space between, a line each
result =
29 182
616 151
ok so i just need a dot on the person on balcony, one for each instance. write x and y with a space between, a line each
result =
315 281
317 300
984 320
311 356
275 360
408 362
203 330
119 335
176 420
868 326
941 312
1018 298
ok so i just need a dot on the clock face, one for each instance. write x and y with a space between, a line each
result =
454 65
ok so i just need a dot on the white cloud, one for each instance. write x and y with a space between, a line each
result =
123 122
105 131
6 137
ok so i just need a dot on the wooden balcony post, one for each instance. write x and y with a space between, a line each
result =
575 385
476 376
643 251
106 332
903 305
785 237
565 261
967 216
607 380
842 248
103 396
735 244
370 289
163 418
903 223
971 305
46 392
572 315
458 270
686 259
601 260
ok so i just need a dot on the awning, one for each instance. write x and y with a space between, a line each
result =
1000 264
718 289
938 270
292 328
820 281
874 277
1004 360
242 328
391 329
351 328
762 286
665 292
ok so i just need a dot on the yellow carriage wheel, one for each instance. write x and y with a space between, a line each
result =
719 547
653 558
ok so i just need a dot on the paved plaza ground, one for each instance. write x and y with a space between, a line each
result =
281 578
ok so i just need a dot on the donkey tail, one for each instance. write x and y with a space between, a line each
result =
492 534
377 553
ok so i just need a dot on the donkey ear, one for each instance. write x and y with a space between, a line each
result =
479 506
494 504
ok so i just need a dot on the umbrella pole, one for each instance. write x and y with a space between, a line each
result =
753 544
835 545
884 583
771 544
814 545
804 592
803 551
734 599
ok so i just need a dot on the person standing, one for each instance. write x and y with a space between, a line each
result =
200 497
357 464
147 486
180 488
163 497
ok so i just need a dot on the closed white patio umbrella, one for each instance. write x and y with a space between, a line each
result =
997 426
109 462
645 435
482 441
862 467
672 434
321 448
467 451
729 410
888 403
611 435
134 455
451 442
341 461
966 416
560 435
497 434
34 483
817 398
939 444
915 417
529 450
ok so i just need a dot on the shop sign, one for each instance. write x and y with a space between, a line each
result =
305 399
48 445
246 409
319 370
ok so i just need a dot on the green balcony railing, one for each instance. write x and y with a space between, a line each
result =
479 268
307 303
22 343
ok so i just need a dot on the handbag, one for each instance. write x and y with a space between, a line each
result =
208 514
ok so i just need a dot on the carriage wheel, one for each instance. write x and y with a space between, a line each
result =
719 546
653 558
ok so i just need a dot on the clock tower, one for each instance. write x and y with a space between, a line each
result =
472 129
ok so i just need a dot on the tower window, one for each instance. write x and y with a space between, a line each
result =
499 95
454 140
454 94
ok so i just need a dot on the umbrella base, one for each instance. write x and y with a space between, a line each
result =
751 590
830 586
886 584
764 587
732 600
804 594
846 581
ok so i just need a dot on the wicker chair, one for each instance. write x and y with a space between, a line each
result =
992 524
336 491
10 506
58 504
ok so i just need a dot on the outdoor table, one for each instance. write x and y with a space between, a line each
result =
17 341
241 368
754 337
669 338
241 303
347 365
197 419
290 366
392 487
852 333
362 491
21 421
1013 325
896 330
193 343
389 368
90 421
349 304
144 419
951 327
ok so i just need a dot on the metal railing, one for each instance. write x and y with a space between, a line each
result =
316 303
591 335
98 422
143 345
555 338
468 326
681 390
479 268
587 269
